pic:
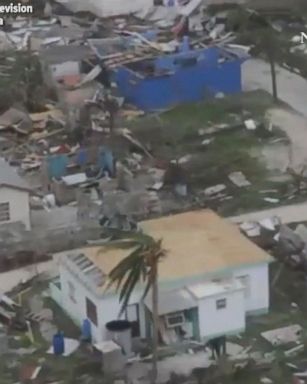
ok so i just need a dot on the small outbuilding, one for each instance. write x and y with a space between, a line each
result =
14 196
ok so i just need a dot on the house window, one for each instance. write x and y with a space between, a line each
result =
72 292
91 311
5 211
245 281
221 304
175 320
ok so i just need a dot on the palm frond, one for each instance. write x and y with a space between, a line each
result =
139 265
128 287
119 272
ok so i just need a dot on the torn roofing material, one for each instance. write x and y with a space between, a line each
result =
10 178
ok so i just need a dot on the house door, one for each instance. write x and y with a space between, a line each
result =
133 316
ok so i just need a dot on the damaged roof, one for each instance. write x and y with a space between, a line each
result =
198 243
10 178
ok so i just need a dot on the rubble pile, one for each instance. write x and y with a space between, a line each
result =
286 243
69 140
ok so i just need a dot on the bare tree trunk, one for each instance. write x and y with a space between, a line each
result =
273 75
155 321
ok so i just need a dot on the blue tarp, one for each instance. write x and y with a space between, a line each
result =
57 166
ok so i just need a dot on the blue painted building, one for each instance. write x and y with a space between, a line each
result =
172 79
160 82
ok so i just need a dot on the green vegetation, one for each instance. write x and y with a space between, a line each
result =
181 131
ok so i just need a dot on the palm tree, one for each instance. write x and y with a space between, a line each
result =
141 265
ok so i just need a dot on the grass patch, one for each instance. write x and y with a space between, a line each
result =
181 131
183 122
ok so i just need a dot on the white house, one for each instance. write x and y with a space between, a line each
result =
211 278
14 197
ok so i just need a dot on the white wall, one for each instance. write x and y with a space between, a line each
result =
77 310
108 308
215 322
19 205
259 297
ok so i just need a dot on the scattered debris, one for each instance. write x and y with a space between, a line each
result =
239 179
294 351
266 380
271 200
250 125
211 191
285 335
250 229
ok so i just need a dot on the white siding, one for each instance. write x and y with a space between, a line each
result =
258 299
214 322
19 205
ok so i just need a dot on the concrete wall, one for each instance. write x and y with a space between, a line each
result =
216 322
19 205
257 299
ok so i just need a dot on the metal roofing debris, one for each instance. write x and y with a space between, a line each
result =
91 75
239 179
250 229
210 191
88 268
